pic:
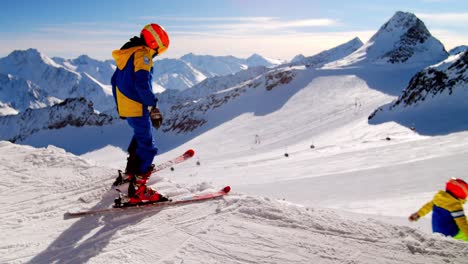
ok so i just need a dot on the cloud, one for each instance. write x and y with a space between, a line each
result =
87 29
238 36
226 26
446 18
272 25
281 46
435 1
205 19
450 38
253 25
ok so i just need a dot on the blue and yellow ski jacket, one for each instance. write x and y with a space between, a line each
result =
131 82
448 216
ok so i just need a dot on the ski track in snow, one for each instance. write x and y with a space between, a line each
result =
238 228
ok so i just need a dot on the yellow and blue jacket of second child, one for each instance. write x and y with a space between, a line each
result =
131 82
448 216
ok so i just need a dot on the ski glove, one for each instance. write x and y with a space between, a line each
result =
413 217
156 117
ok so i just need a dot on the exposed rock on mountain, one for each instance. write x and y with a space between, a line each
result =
71 112
436 94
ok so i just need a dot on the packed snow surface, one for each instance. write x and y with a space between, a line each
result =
238 228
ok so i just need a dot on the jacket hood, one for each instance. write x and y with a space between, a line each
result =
122 56
445 200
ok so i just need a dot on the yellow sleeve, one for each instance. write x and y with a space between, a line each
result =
427 208
143 60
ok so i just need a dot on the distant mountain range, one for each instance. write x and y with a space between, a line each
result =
36 81
39 81
197 85
191 69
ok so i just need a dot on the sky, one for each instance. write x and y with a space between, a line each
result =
272 28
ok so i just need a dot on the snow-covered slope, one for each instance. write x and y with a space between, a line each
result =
176 74
215 84
458 50
236 229
17 94
436 95
404 39
76 112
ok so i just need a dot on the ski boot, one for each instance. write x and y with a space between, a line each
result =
145 195
121 182
138 192
142 195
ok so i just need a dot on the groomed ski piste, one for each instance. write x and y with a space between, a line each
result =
344 201
44 183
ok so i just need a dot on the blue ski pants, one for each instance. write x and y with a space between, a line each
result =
145 145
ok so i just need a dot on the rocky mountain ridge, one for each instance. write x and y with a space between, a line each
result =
404 39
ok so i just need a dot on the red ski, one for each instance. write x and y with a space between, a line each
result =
122 178
185 200
187 155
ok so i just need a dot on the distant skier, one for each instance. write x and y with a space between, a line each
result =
448 217
136 102
257 139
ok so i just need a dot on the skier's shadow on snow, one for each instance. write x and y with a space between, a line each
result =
80 242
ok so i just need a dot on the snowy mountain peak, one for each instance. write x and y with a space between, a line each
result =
83 59
255 56
402 39
258 60
30 56
298 58
401 21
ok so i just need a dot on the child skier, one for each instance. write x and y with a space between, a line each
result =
136 102
448 217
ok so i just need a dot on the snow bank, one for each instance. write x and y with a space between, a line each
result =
47 182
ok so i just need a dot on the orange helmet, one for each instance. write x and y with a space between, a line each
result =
457 187
155 37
